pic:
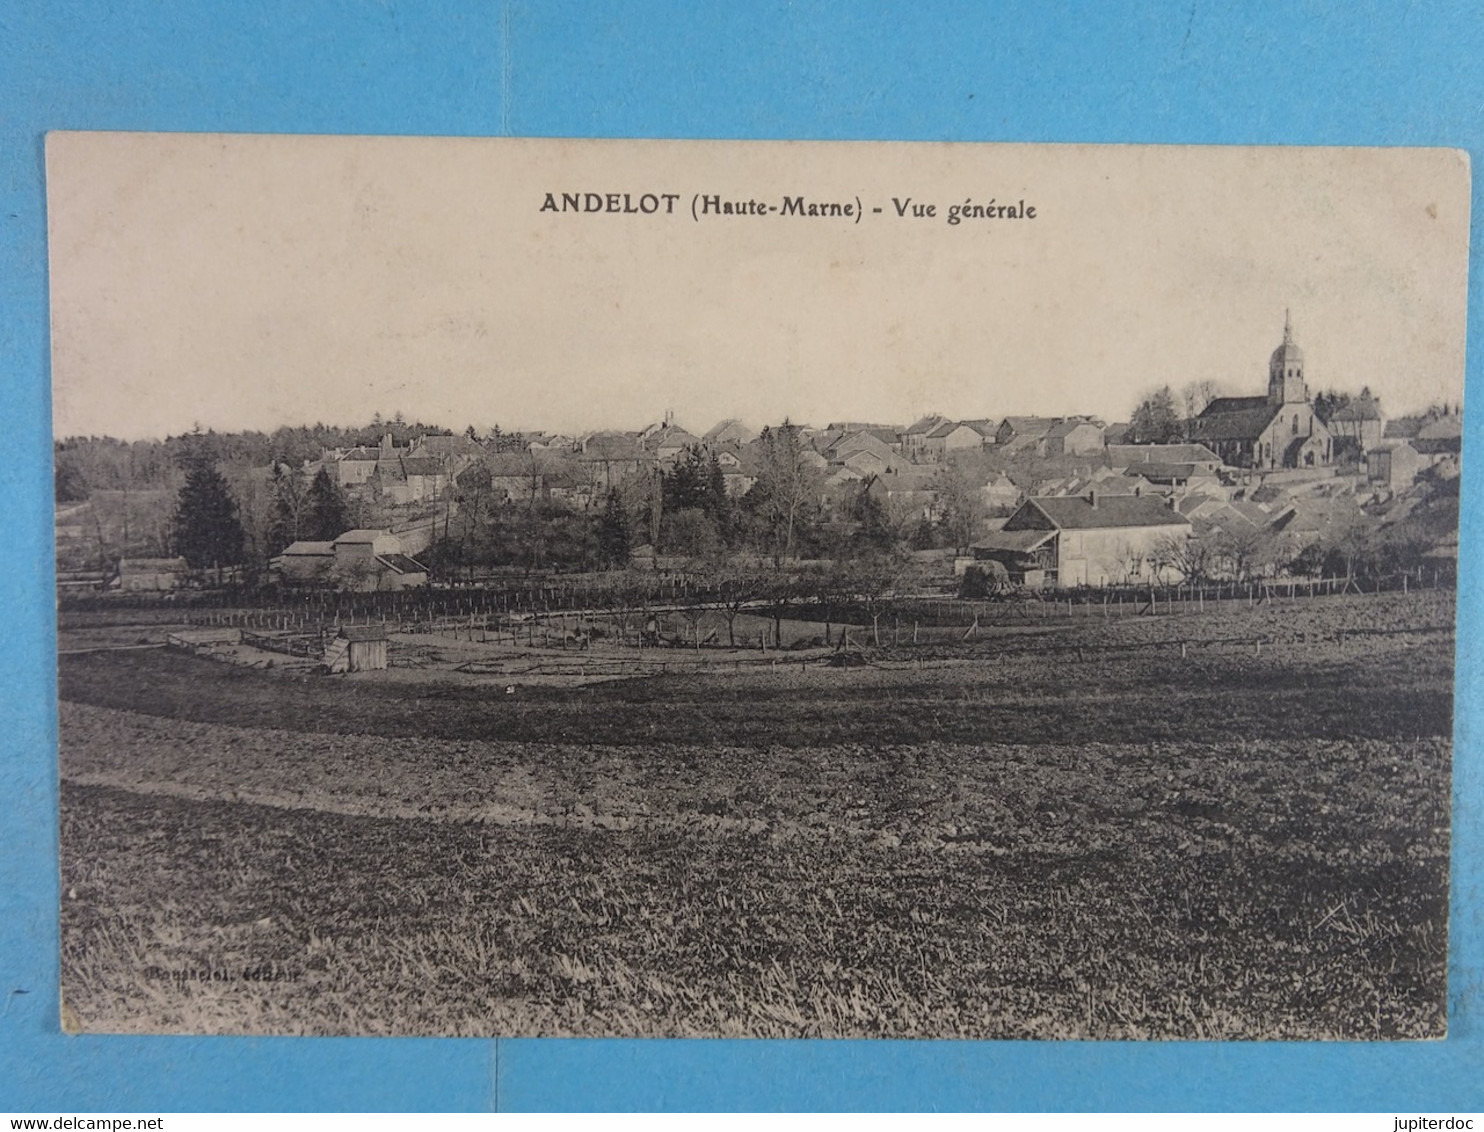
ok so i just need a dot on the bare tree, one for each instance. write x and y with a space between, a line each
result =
960 505
787 484
1196 395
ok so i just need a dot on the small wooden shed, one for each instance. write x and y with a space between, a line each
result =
358 648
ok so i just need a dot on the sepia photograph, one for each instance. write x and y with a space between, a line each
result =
541 587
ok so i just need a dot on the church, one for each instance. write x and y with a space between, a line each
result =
1276 431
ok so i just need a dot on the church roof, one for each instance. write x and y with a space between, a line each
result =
1233 418
1287 352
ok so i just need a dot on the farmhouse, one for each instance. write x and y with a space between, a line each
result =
1276 431
1086 540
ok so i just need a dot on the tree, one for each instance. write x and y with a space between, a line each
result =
326 515
1156 420
1243 552
615 538
70 483
1190 558
738 587
208 533
690 532
871 583
1328 403
1195 396
961 507
873 532
290 506
787 484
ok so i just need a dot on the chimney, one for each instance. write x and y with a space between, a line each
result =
1092 498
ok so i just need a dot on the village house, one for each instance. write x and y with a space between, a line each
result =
1357 426
368 559
1072 437
954 436
412 479
1171 477
729 432
999 492
667 443
514 477
865 454
1394 465
611 458
1018 433
353 467
908 497
1087 540
915 438
1131 455
1440 436
1276 431
360 559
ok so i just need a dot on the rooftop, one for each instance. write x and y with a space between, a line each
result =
1077 512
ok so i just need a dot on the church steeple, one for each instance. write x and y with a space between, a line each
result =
1286 384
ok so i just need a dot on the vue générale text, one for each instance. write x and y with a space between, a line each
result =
707 205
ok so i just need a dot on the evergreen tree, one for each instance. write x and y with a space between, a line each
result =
1156 421
614 536
718 502
208 533
328 517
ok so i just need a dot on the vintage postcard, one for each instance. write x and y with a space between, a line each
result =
619 588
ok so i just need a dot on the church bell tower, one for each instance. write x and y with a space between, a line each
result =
1286 371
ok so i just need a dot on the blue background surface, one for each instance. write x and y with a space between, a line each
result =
1322 73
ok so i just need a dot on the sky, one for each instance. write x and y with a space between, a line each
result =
252 281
